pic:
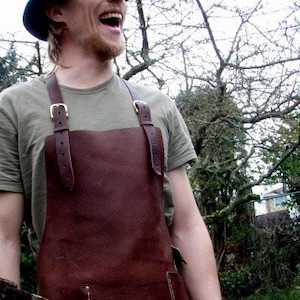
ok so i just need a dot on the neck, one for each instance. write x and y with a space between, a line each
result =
83 72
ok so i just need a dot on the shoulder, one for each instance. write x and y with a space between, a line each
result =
161 105
152 94
22 90
24 101
36 82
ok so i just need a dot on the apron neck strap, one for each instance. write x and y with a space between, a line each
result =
59 115
154 139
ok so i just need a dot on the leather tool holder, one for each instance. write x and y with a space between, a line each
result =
9 291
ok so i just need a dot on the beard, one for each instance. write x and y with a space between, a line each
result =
105 48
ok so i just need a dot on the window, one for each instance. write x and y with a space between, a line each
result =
279 201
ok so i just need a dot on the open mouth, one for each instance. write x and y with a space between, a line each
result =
111 19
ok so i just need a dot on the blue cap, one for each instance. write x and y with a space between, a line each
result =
35 19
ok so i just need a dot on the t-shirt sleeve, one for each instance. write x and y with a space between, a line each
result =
180 148
10 174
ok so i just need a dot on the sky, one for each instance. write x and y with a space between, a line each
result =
11 13
12 28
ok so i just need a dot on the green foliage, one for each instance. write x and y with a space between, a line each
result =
28 274
15 68
287 294
235 272
273 265
297 279
236 283
10 72
287 145
213 121
278 254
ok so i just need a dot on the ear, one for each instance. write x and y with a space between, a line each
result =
54 12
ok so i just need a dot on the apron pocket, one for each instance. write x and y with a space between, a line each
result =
82 293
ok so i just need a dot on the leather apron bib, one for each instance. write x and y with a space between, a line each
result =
105 235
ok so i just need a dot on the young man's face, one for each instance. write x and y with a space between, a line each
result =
95 25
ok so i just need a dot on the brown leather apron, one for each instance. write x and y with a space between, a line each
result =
105 235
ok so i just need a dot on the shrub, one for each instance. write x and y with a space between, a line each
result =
277 295
236 283
277 255
28 274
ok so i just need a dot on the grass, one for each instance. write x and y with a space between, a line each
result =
293 294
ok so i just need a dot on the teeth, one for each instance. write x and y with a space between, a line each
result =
111 15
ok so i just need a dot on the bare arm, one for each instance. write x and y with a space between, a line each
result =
190 235
11 217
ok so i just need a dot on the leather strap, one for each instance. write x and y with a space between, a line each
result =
143 111
59 114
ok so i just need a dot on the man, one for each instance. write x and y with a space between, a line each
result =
92 191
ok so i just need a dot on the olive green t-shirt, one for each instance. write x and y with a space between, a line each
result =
25 122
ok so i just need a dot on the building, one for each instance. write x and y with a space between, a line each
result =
274 199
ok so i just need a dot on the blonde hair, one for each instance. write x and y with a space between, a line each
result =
54 32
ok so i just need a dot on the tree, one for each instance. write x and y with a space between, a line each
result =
219 143
9 69
247 76
252 63
288 172
16 66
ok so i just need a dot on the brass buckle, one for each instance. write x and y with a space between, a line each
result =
53 106
135 102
